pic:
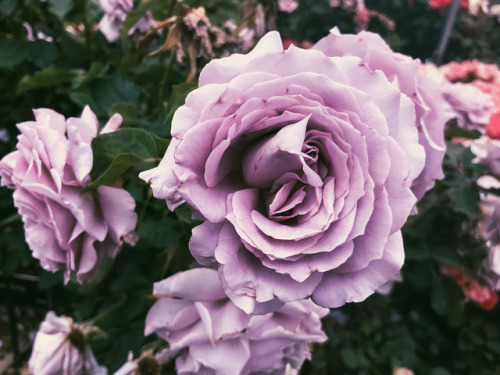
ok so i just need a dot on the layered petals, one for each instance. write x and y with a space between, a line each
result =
65 230
303 166
204 328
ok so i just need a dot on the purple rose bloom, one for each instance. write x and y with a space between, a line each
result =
66 230
204 328
302 167
405 73
60 347
115 13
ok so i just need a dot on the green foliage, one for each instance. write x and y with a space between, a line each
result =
12 53
45 79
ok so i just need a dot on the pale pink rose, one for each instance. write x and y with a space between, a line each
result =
209 335
60 348
66 230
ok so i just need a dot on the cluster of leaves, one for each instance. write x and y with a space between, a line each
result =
424 323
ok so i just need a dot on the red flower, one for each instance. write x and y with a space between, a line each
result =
289 42
482 295
445 3
493 128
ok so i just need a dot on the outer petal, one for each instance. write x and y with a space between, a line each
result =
338 288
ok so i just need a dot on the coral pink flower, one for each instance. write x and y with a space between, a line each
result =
482 295
468 71
445 3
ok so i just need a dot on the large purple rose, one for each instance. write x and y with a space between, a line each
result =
431 107
301 166
204 329
66 230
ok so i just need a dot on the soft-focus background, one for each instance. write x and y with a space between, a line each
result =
439 319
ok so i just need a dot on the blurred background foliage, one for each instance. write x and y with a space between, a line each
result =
51 55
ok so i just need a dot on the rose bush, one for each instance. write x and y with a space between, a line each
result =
204 328
66 230
301 163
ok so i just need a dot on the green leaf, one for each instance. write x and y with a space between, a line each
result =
349 357
160 233
128 111
178 97
440 371
112 89
494 346
42 53
446 256
97 70
465 199
161 144
7 7
83 97
45 78
60 7
12 53
447 298
48 280
455 131
119 165
116 152
184 213
125 109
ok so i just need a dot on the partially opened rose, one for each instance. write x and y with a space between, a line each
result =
301 163
61 348
209 335
66 230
